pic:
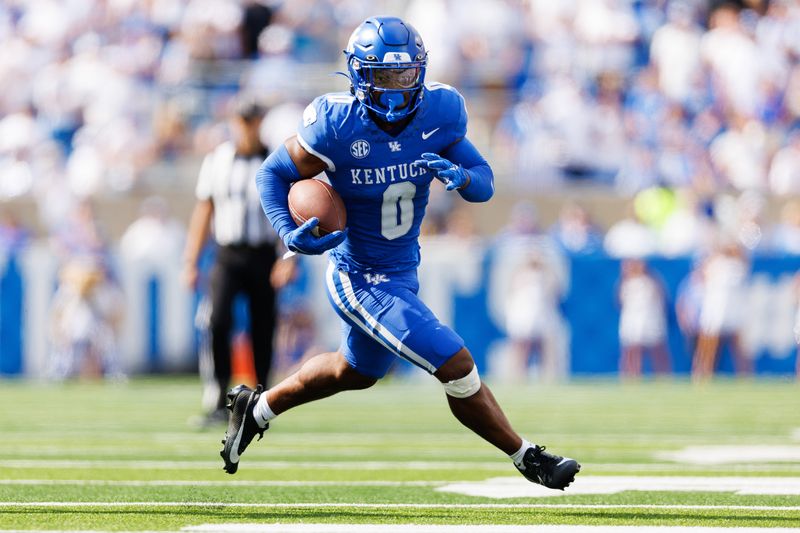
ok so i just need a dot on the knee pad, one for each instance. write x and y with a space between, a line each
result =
464 387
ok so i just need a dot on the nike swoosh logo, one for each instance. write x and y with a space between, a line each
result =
235 446
426 134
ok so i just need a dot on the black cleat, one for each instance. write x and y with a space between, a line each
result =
242 427
552 471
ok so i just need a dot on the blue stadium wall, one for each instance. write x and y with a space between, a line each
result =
464 283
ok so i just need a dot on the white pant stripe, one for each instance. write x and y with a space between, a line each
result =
407 352
357 320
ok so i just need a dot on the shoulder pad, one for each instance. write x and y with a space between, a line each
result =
436 86
450 106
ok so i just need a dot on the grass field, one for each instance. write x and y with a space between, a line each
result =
121 457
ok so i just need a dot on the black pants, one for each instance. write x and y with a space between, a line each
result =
246 270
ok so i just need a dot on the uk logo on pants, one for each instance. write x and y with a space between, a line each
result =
375 279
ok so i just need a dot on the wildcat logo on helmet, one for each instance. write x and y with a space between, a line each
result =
359 149
399 57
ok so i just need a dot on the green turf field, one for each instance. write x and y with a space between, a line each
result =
122 457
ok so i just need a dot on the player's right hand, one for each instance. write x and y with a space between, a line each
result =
303 241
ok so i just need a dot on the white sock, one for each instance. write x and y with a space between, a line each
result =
519 454
261 411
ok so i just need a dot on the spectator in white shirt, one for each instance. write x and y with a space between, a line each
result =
675 51
784 172
642 321
721 312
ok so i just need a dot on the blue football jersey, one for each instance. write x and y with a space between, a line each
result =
385 195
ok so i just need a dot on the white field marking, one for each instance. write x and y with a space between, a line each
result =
378 437
516 487
796 434
361 505
500 487
716 455
110 452
206 483
191 465
683 468
428 528
417 528
500 465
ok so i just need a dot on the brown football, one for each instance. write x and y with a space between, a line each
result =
315 198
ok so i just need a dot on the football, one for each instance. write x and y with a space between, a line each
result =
315 198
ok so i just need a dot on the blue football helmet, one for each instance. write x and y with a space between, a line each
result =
386 61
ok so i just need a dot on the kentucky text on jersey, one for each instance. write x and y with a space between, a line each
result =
384 193
369 176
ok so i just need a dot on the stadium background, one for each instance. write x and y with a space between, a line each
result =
617 129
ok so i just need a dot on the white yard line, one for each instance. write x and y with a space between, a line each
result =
430 528
362 505
206 483
497 487
499 465
672 467
516 487
414 528
193 465
722 454
380 437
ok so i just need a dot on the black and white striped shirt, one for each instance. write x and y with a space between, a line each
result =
228 180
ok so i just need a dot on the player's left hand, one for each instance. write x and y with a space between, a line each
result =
452 175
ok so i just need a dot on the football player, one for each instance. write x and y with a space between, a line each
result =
381 145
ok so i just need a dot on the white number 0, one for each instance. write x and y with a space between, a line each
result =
397 211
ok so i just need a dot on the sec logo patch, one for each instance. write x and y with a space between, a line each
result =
359 149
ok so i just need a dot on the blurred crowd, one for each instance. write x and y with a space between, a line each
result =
679 93
697 97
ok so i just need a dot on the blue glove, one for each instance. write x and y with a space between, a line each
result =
452 175
303 241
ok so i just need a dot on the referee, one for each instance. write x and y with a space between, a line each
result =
228 200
